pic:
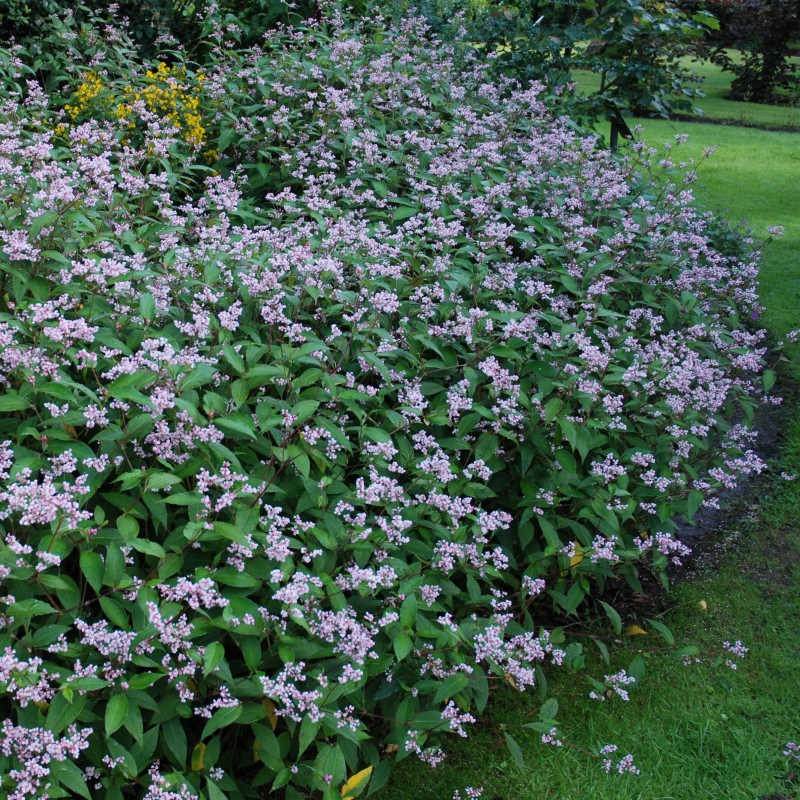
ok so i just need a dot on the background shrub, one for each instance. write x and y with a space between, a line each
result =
765 32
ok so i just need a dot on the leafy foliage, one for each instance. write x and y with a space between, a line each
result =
296 445
634 46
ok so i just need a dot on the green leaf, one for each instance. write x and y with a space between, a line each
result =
134 723
237 425
147 547
221 719
604 654
89 683
147 306
183 499
308 732
26 609
127 387
214 792
330 761
65 588
408 611
269 749
402 645
308 378
130 480
114 566
613 617
47 634
160 480
706 19
64 711
128 527
515 750
69 775
488 445
233 358
552 407
199 376
214 654
666 633
304 409
144 680
114 611
636 668
13 402
240 391
693 501
404 212
116 711
451 686
548 710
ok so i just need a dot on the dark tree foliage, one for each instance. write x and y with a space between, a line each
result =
147 20
765 32
20 19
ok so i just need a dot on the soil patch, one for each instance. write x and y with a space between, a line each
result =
715 532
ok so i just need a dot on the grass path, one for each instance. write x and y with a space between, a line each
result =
702 731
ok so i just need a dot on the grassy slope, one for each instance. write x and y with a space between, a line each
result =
700 732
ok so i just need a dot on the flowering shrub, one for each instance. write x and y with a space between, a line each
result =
293 450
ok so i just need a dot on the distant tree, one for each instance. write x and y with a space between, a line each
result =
764 31
635 46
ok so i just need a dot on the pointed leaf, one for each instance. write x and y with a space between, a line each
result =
515 750
356 784
666 633
613 617
221 719
116 712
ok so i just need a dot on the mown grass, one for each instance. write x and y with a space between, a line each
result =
752 176
714 105
701 731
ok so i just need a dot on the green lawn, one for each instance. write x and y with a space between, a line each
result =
714 104
715 86
701 731
753 175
